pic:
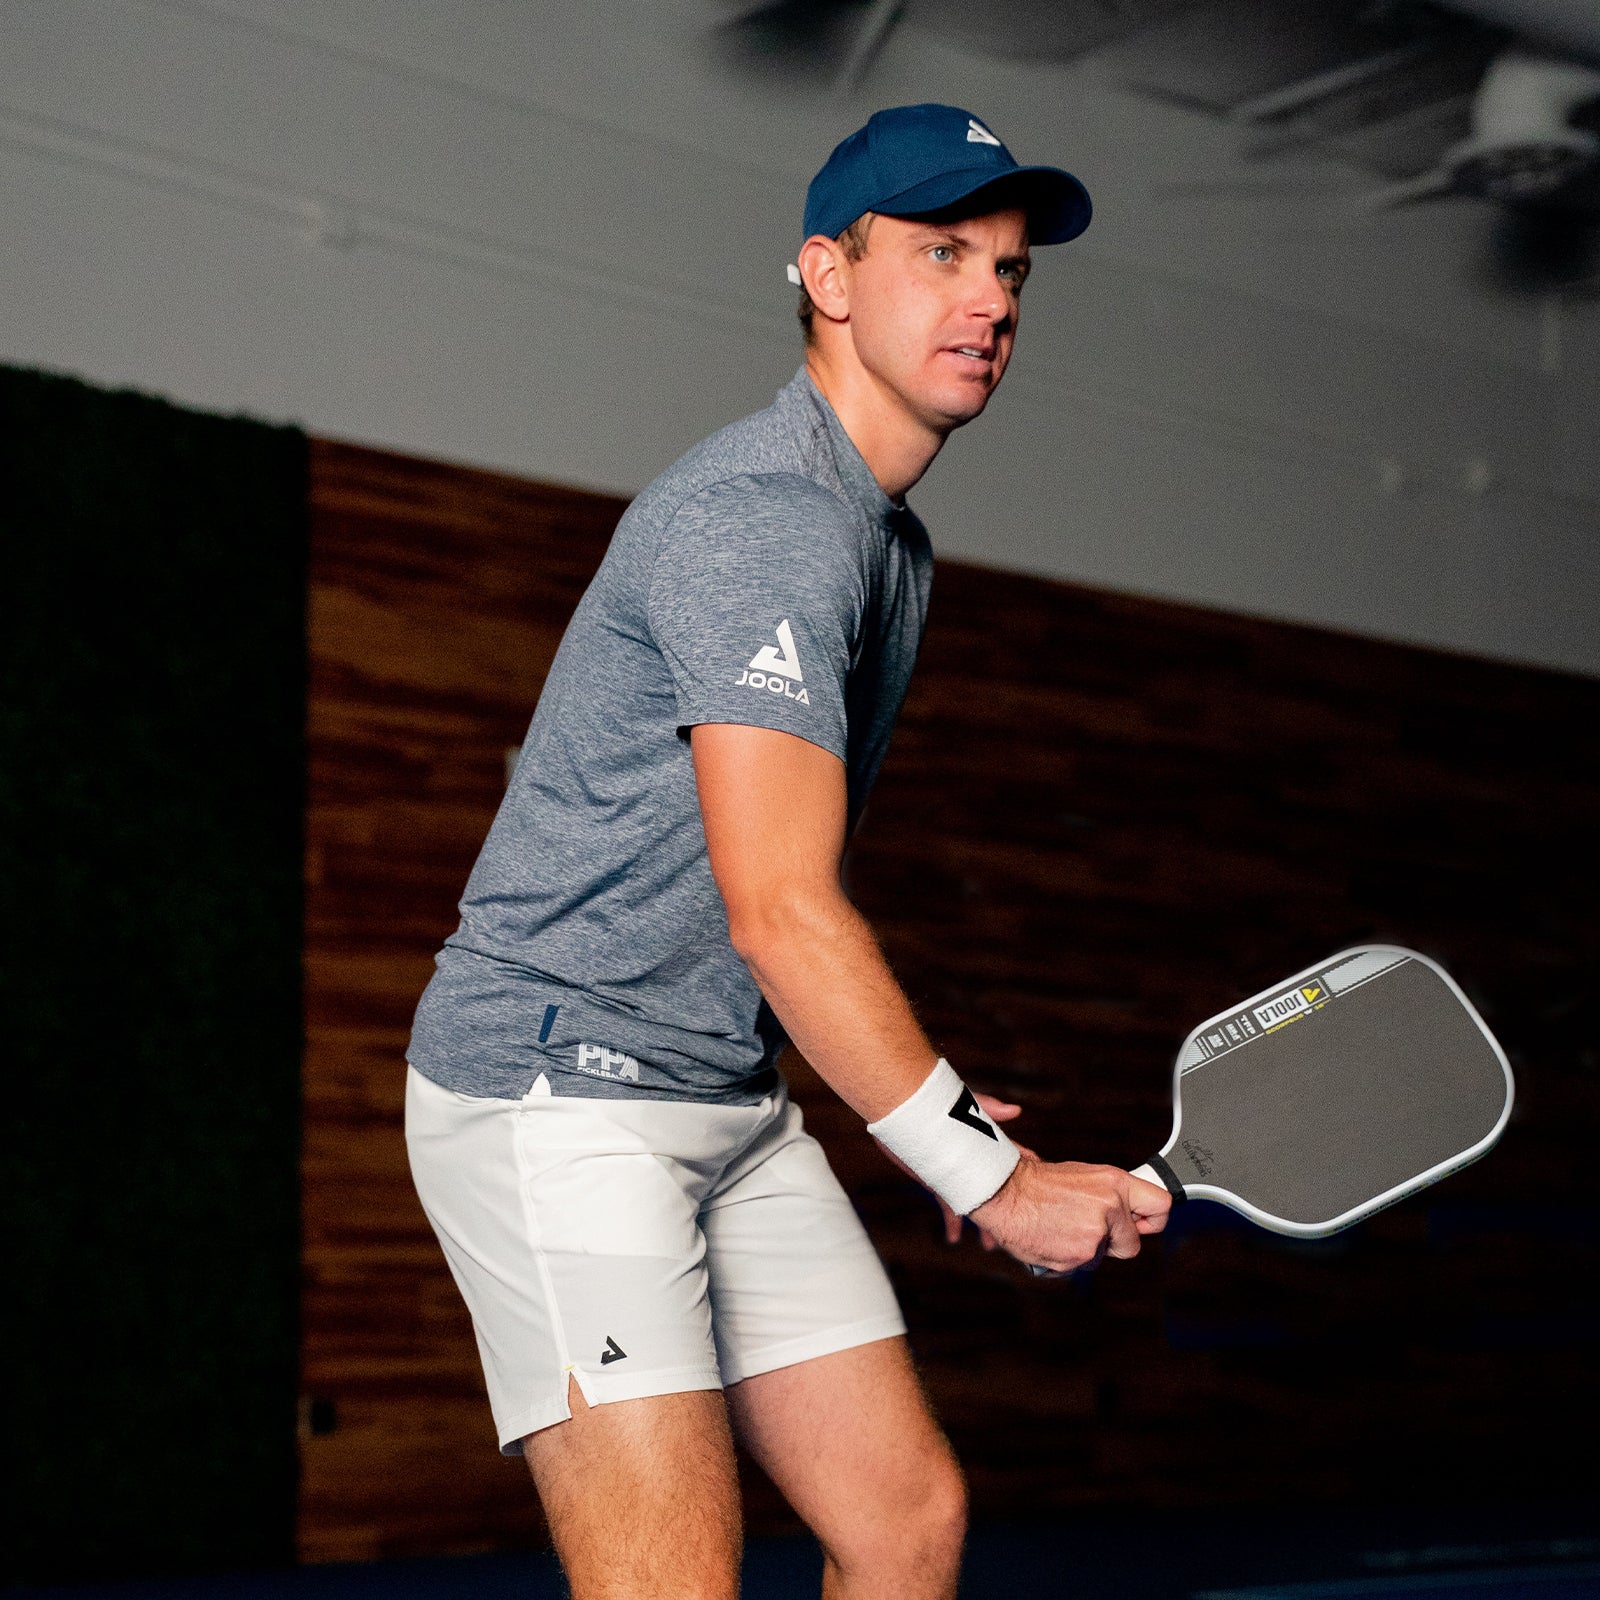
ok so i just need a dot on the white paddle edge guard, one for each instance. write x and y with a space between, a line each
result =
1321 1230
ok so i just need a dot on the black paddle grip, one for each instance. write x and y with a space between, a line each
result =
1165 1173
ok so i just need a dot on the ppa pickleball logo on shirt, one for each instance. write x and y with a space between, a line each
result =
777 669
601 1061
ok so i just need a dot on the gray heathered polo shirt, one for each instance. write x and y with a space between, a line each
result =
764 579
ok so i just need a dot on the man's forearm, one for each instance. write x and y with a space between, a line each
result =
825 976
823 973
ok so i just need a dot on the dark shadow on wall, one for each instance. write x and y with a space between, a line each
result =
151 783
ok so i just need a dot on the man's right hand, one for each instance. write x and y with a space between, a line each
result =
1067 1214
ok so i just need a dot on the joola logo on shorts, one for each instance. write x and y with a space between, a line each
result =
777 671
1292 1003
600 1062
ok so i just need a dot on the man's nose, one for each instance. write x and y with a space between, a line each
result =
987 297
990 301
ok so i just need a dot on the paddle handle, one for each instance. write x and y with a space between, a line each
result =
1156 1170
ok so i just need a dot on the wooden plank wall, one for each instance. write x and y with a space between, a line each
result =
438 597
1102 820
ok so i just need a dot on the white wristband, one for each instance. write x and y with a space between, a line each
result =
948 1141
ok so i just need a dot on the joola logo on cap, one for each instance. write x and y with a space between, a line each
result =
776 670
978 134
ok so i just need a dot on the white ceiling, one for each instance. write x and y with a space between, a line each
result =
551 238
647 71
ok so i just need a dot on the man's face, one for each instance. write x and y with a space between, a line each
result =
933 310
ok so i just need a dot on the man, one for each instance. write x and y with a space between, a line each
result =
655 1254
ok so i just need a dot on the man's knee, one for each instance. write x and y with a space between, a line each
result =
941 1518
919 1527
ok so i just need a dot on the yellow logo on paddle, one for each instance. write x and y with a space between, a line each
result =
1293 1003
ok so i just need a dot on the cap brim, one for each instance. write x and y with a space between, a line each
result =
1057 204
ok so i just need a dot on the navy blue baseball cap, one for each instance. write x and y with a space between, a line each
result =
912 160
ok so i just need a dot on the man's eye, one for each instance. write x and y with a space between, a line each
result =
943 252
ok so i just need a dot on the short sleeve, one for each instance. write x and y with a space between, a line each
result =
755 604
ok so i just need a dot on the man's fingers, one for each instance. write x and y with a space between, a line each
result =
1068 1215
1065 1266
1150 1203
998 1110
1122 1234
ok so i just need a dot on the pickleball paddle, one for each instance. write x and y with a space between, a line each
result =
1334 1093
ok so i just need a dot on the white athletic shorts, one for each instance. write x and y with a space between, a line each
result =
638 1247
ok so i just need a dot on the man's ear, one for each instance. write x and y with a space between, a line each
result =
825 274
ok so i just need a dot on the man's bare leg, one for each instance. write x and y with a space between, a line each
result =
849 1440
642 1497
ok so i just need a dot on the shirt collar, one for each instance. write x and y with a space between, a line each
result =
855 476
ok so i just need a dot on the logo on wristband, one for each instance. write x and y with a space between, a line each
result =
966 1110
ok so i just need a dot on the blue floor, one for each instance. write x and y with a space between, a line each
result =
1157 1556
1579 1581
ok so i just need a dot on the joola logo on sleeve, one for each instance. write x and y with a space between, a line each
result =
600 1062
777 670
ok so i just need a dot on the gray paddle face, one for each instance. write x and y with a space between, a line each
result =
1337 1092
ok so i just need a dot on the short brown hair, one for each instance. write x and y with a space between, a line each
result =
853 241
